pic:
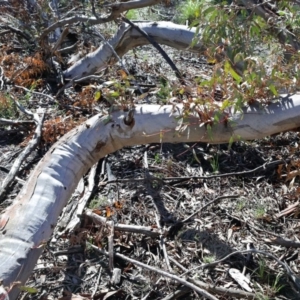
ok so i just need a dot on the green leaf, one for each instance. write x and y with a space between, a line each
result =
239 57
273 90
255 30
231 71
281 12
97 95
28 289
216 118
226 103
114 94
209 10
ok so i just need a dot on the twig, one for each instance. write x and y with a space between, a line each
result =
93 9
59 77
208 204
90 78
21 181
68 49
60 40
75 249
283 242
178 293
223 291
158 47
75 19
3 32
264 166
111 245
30 147
291 275
163 273
178 264
162 244
74 223
149 231
288 210
97 283
117 9
18 32
15 122
36 93
120 60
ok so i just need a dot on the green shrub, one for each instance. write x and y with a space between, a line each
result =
189 11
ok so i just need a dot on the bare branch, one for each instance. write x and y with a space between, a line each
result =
223 291
15 122
149 231
116 10
18 32
29 148
161 272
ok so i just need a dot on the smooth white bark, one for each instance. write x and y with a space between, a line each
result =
166 33
30 221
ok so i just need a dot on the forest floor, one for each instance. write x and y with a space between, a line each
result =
189 205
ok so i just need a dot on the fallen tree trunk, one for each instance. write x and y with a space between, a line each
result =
166 33
29 222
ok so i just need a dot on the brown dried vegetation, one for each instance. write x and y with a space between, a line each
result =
25 71
55 128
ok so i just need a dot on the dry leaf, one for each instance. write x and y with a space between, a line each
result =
241 279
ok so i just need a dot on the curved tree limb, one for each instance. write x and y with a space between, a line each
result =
29 222
127 38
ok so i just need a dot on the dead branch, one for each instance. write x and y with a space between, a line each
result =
260 168
15 122
208 204
163 273
29 148
294 279
75 221
158 47
223 291
283 242
148 231
18 32
116 10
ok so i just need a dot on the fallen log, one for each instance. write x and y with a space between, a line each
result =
30 220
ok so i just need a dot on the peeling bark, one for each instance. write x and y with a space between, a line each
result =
29 222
